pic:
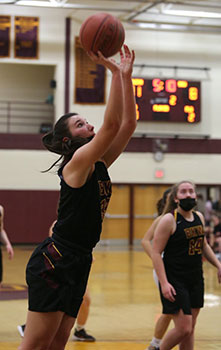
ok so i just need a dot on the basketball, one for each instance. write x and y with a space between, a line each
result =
102 32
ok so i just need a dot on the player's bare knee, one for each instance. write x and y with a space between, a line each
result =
186 330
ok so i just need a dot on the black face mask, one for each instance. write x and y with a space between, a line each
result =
187 203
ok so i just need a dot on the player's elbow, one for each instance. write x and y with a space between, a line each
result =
113 126
143 242
131 124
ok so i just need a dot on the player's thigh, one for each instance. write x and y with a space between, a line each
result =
40 329
195 313
63 333
183 322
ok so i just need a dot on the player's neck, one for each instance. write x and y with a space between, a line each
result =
188 215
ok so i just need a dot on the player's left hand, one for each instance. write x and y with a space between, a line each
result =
99 58
10 251
127 58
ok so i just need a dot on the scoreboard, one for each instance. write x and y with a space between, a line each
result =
167 100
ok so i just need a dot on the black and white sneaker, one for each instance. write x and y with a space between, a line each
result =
21 330
82 336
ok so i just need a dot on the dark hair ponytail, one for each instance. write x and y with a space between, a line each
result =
54 140
170 205
162 201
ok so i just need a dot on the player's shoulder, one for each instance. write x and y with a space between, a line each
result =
200 215
168 218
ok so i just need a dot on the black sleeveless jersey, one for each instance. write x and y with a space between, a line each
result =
183 252
81 210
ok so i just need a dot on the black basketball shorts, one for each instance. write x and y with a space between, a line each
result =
189 295
57 278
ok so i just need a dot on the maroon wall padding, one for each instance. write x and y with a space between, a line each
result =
176 145
28 214
21 141
136 144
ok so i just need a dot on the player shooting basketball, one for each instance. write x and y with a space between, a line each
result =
58 269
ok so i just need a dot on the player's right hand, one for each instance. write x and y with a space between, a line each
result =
168 291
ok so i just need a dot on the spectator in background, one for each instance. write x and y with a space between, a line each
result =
200 206
4 240
217 236
208 214
217 206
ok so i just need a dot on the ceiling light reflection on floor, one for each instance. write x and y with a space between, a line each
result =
212 300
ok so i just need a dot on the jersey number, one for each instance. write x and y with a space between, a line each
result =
196 246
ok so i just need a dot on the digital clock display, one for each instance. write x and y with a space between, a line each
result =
168 100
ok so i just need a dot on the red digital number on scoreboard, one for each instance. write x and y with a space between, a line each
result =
168 100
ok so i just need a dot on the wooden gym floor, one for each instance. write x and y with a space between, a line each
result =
125 302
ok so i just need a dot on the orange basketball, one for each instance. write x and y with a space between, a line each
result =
102 32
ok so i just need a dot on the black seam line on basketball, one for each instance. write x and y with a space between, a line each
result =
98 31
120 35
83 29
117 38
117 35
116 31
